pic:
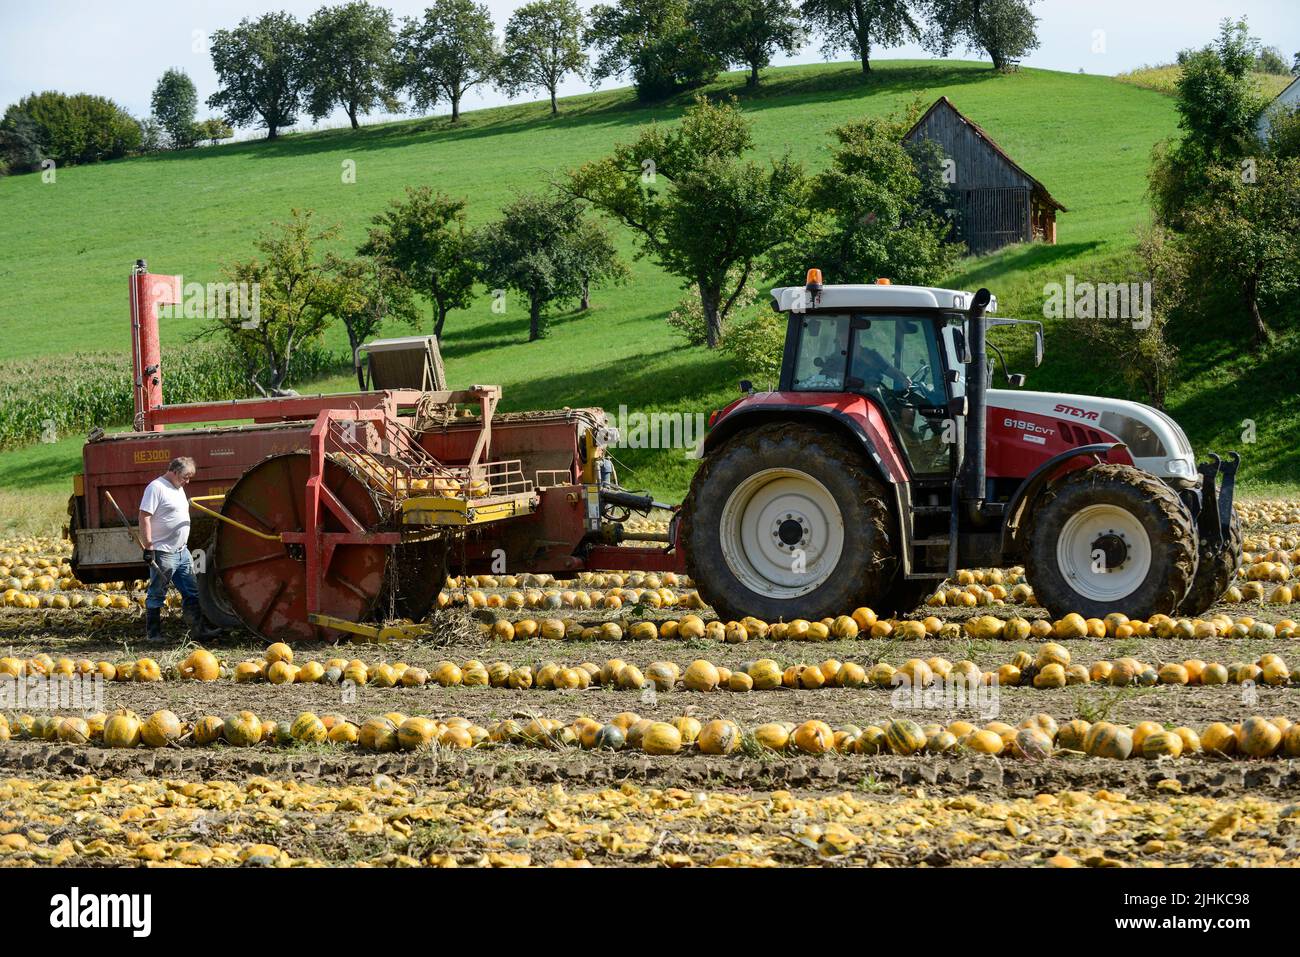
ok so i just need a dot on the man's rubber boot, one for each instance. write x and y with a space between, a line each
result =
200 631
153 626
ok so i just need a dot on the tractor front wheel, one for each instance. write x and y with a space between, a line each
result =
1214 572
1111 538
785 523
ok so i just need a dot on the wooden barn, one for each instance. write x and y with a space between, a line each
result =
999 203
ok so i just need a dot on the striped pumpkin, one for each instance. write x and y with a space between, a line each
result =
1106 740
1162 744
1072 734
1258 738
904 736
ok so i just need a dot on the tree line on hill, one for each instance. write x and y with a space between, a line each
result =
1224 241
358 58
702 209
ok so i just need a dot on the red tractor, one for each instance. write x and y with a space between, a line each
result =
884 461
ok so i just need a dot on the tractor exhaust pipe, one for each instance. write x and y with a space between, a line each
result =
973 478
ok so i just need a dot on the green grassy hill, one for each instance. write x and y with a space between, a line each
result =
66 248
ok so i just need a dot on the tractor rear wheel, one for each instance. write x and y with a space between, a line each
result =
1111 538
785 523
1214 572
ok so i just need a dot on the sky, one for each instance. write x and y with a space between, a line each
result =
119 49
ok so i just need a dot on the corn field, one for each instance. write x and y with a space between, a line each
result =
53 396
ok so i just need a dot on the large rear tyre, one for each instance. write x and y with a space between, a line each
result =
783 524
1214 573
1111 538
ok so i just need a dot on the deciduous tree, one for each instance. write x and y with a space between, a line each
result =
543 46
260 69
423 239
349 60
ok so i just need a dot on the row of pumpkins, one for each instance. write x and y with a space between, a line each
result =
864 623
1051 667
552 599
1036 738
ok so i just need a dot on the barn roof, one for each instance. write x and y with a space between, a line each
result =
1039 188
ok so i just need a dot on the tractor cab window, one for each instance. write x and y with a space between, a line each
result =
896 360
823 354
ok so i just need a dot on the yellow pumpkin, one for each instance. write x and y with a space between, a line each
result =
1258 738
1291 741
345 732
661 738
1050 676
814 737
772 736
71 731
1162 744
378 734
207 730
281 673
1106 740
122 731
249 671
201 665
310 673
904 736
1072 735
415 734
162 728
146 669
1219 738
701 675
279 652
871 740
308 728
1032 744
242 730
983 742
719 737
1141 730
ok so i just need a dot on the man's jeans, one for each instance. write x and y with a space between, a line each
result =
173 568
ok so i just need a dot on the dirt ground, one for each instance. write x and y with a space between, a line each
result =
509 805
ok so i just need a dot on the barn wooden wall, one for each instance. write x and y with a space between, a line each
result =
995 200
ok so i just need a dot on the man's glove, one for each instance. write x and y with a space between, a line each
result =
148 556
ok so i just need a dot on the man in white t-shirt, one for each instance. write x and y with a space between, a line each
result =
165 534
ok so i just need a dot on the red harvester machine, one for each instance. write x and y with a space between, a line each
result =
318 513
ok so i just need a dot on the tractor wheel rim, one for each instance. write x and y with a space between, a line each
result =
1084 566
782 533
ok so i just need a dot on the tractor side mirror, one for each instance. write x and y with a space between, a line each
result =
1016 380
958 406
746 387
1038 347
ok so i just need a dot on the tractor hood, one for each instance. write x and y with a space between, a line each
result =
1154 440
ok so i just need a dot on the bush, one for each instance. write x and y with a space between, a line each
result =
57 395
19 150
757 343
80 128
